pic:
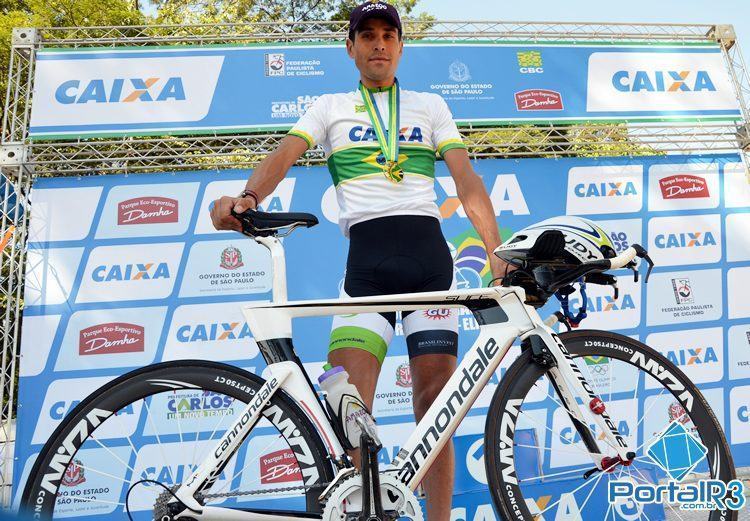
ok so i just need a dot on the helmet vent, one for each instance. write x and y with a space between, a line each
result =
549 245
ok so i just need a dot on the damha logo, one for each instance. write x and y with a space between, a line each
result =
538 99
120 90
111 338
406 134
231 258
683 186
74 474
689 356
123 272
199 405
684 240
609 189
279 467
605 303
147 210
662 81
403 375
214 331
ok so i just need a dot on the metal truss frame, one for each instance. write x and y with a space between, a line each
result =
22 159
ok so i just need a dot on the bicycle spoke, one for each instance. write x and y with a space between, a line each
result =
211 437
112 453
596 481
535 422
156 433
177 415
547 448
580 469
104 501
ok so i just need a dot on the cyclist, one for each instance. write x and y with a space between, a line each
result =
381 141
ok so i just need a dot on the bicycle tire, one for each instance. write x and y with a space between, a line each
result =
507 496
42 486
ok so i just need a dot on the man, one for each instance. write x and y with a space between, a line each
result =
380 141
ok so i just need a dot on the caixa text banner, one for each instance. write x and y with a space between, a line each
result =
204 90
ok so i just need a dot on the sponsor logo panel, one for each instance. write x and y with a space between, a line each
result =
123 90
279 201
270 464
132 272
694 239
607 378
738 280
530 62
85 490
63 395
565 439
605 189
506 196
739 409
278 64
739 351
227 268
50 275
738 240
292 109
110 338
52 221
210 332
623 232
736 186
699 353
38 333
684 297
606 312
637 81
145 210
393 396
150 464
683 187
538 99
191 411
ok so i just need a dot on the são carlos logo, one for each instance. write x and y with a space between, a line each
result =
678 453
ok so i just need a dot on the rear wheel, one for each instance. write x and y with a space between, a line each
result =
536 460
158 424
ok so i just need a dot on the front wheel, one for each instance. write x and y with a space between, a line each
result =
535 458
150 429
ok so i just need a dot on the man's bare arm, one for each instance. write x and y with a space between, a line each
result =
473 196
264 180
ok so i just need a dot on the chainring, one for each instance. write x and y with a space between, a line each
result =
346 499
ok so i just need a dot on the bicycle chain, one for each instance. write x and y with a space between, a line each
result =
256 492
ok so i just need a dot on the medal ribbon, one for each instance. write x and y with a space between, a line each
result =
387 138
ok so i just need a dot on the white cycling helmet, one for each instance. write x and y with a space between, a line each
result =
584 241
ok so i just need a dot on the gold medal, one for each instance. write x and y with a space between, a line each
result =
393 172
388 137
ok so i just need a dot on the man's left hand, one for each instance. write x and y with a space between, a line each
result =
499 268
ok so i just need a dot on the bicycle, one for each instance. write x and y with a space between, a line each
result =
299 467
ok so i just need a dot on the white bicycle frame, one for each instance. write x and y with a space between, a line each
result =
497 332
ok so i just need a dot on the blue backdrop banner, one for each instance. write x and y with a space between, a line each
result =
124 271
203 90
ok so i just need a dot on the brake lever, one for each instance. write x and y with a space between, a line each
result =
641 252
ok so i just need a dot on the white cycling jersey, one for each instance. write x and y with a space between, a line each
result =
341 125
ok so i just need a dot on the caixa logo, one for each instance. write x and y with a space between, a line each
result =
171 474
609 189
743 413
120 90
212 332
151 270
684 240
690 356
59 410
662 81
570 435
605 303
408 134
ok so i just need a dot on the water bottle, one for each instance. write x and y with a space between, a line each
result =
345 403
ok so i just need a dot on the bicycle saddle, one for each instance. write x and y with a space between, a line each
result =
264 224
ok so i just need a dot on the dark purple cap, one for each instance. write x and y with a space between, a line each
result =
374 9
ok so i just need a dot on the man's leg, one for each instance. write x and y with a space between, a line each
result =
429 373
363 368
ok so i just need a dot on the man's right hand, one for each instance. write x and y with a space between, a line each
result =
221 212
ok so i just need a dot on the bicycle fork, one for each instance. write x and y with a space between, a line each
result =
571 386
